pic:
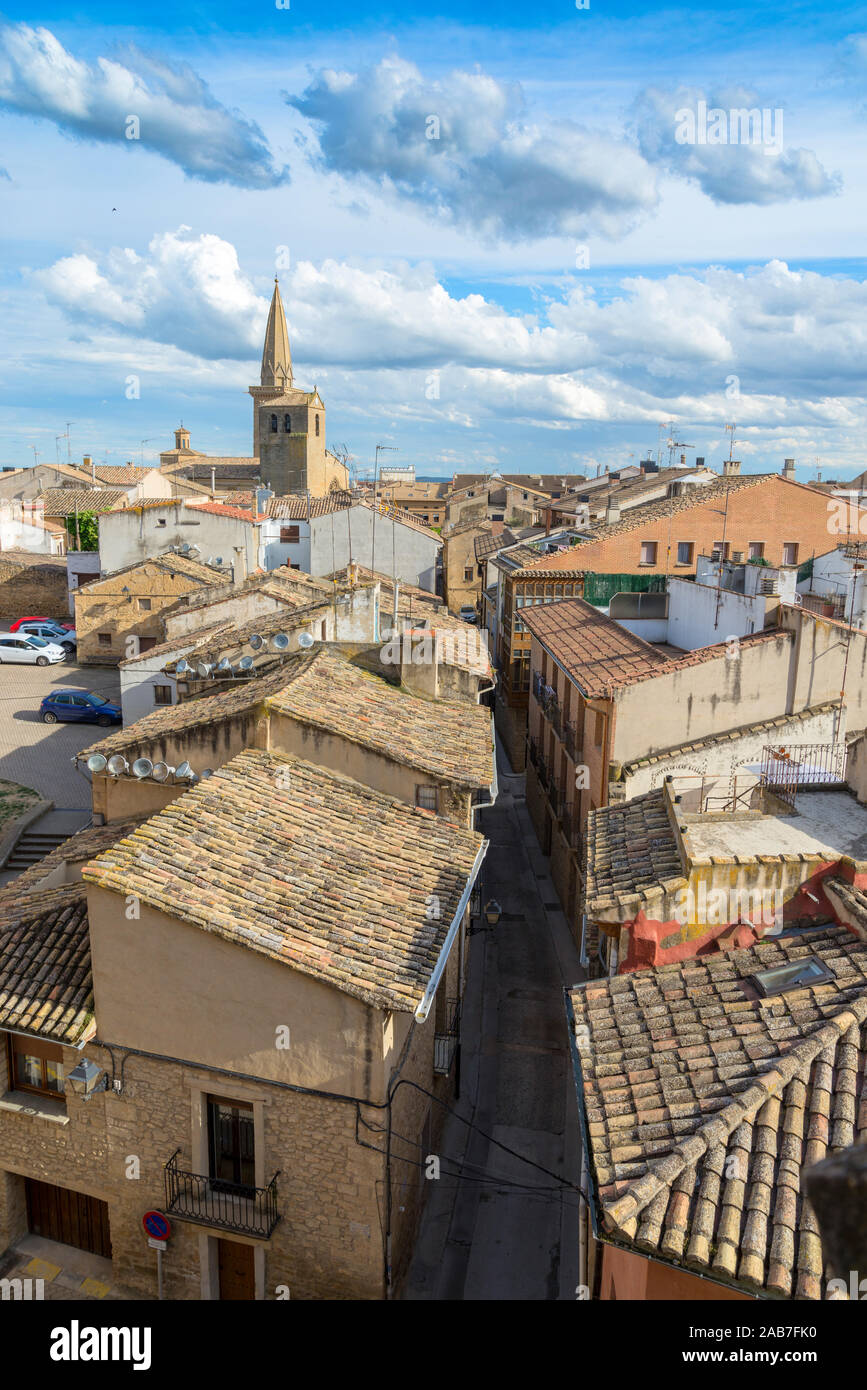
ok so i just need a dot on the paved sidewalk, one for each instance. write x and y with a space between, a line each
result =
495 1227
68 1273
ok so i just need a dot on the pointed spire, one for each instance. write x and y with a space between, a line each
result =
276 357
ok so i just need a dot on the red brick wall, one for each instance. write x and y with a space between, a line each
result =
772 512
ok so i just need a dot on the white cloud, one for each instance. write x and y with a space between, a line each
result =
793 345
728 172
465 147
178 117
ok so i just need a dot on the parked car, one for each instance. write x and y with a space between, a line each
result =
79 707
52 632
34 618
468 613
16 647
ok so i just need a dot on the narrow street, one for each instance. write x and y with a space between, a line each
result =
495 1227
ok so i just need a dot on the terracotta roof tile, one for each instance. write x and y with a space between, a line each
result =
600 655
46 985
705 1103
63 501
308 868
629 848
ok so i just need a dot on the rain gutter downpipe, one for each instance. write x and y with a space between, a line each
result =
423 1008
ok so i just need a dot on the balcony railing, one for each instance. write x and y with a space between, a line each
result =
445 1044
570 742
208 1202
542 772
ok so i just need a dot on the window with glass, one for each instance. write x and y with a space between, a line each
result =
162 694
684 552
648 552
756 550
426 798
790 553
230 1144
35 1065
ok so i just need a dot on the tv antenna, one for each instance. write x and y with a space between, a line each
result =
730 430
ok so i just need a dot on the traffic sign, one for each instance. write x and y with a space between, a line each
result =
156 1225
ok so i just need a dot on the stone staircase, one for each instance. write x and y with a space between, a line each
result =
33 846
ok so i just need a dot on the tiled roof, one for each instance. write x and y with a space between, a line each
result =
594 650
641 516
386 584
705 1103
184 643
295 506
45 978
323 875
600 655
543 482
629 848
449 739
122 473
489 544
223 509
389 512
77 849
227 637
63 501
161 724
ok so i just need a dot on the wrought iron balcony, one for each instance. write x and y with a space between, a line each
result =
542 772
252 1211
445 1044
570 742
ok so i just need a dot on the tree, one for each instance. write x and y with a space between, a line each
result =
87 537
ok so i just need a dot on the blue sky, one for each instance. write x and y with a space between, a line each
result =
543 285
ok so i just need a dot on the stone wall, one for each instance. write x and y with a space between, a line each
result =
32 589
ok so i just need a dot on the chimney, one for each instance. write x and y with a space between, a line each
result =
731 468
683 460
612 511
699 463
239 569
789 469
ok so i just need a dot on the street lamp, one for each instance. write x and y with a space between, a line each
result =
86 1079
492 912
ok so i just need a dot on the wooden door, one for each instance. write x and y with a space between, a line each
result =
237 1275
58 1213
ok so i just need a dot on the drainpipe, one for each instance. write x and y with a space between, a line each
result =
424 1007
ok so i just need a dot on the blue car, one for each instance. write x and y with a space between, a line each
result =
79 707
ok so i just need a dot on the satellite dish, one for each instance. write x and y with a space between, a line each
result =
142 767
210 560
162 772
207 772
256 641
305 640
246 663
205 668
219 560
224 665
185 548
280 642
183 771
183 666
96 762
117 764
192 548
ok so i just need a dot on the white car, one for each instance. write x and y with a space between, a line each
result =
32 650
52 632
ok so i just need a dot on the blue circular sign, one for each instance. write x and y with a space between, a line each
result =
156 1225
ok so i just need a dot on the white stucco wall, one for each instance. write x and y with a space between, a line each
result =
127 537
377 542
